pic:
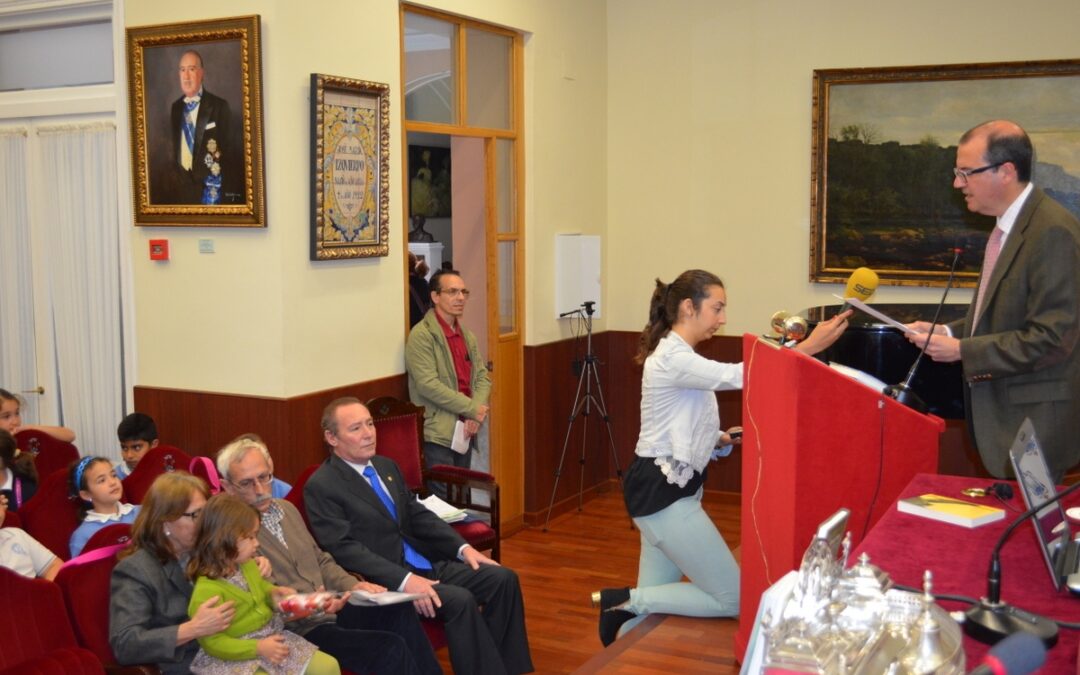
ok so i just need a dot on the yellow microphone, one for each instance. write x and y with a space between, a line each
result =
861 284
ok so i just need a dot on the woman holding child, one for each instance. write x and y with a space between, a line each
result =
148 611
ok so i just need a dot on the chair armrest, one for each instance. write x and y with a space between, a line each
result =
441 471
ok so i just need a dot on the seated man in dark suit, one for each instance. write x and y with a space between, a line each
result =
381 640
364 515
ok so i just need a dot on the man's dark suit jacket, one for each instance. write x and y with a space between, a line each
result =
351 523
212 122
1022 358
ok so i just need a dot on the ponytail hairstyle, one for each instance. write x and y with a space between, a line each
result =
77 481
664 306
21 464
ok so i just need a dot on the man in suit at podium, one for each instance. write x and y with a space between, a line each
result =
1018 341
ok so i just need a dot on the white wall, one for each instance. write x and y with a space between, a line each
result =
679 132
257 317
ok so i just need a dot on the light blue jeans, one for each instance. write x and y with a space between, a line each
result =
678 541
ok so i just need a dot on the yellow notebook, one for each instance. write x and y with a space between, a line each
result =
949 510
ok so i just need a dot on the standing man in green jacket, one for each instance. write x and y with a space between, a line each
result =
447 376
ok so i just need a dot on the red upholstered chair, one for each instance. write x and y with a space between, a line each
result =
204 468
110 535
400 428
35 634
51 516
159 460
49 453
84 583
296 494
11 519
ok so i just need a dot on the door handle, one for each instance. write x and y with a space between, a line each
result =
40 391
491 366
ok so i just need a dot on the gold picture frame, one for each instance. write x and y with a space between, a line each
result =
883 150
195 102
350 176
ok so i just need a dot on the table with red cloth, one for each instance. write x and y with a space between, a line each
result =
906 545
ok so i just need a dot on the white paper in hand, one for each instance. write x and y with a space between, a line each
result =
460 443
880 316
363 598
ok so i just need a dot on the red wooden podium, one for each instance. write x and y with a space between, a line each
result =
814 441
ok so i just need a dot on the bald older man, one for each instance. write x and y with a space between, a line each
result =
1018 342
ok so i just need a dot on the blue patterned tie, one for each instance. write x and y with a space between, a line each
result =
189 124
412 557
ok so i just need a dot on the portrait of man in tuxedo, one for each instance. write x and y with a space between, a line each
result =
195 144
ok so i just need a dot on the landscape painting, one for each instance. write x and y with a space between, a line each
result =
884 150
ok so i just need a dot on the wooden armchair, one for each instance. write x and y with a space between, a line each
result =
400 428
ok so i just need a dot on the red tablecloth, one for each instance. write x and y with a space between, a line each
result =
905 546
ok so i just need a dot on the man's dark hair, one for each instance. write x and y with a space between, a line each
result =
137 427
1005 146
436 279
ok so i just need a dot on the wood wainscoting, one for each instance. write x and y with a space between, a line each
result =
200 423
551 382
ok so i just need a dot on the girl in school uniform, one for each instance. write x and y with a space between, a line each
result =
94 483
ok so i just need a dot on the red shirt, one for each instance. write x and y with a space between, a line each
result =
460 351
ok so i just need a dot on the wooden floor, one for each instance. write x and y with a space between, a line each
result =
596 548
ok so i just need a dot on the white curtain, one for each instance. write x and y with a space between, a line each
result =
17 350
79 224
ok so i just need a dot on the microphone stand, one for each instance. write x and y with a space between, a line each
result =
991 619
903 393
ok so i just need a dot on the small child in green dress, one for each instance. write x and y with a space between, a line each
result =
222 565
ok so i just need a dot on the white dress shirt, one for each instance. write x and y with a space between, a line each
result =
680 421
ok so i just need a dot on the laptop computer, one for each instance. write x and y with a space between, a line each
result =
1060 551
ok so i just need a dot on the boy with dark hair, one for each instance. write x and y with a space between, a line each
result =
137 434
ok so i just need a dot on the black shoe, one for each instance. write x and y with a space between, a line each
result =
610 597
610 622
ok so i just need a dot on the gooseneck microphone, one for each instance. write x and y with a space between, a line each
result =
991 619
903 393
1018 654
862 283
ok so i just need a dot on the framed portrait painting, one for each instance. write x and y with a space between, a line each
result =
884 149
429 181
195 93
350 179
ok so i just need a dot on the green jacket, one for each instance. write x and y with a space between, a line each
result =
253 610
433 381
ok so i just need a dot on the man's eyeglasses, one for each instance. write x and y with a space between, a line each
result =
248 483
194 515
964 174
454 292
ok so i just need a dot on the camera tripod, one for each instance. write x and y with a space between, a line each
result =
583 408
